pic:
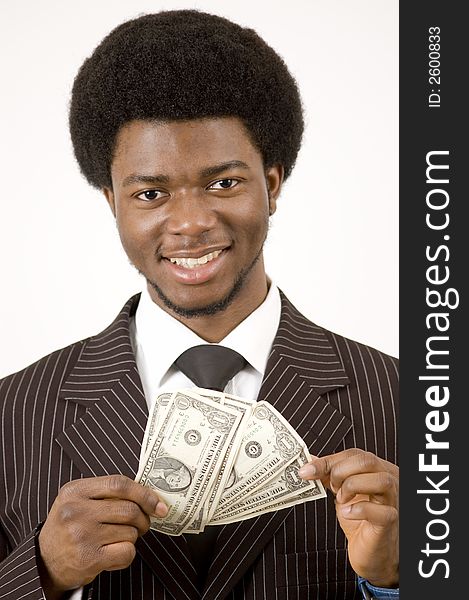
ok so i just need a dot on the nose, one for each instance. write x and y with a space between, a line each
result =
190 214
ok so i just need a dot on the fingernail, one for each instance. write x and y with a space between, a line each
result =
307 471
161 510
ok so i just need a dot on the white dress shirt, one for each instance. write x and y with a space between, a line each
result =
158 339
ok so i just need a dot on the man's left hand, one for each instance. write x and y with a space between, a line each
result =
366 490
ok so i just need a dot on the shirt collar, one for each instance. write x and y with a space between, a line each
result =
160 338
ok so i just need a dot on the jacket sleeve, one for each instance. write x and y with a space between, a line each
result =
19 576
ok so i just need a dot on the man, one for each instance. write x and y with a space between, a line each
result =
189 124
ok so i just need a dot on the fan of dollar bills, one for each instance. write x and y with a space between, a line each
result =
215 458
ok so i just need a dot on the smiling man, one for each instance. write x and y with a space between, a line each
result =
189 124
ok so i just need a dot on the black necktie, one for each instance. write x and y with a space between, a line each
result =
208 367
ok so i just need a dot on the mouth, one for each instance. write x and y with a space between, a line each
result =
193 263
197 269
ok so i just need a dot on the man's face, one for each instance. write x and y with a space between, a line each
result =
178 480
192 204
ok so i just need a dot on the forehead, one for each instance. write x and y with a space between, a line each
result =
177 147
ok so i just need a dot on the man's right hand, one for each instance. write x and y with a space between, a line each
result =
92 527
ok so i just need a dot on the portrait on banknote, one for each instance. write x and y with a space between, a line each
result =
170 475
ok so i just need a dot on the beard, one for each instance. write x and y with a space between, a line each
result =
209 309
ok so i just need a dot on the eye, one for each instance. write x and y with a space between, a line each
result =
150 195
224 184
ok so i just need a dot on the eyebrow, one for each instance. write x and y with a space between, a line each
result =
207 172
217 169
150 179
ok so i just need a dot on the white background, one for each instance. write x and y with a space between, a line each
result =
333 245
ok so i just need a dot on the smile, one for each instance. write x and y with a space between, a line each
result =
192 263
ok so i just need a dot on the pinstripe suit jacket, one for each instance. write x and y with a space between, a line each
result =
81 412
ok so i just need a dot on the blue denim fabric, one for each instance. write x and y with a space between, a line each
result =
371 592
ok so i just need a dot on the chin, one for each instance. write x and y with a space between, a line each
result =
188 308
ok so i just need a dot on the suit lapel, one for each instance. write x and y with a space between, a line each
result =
303 366
105 381
108 436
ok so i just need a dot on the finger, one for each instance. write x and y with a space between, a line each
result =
119 486
383 487
113 534
379 515
114 557
359 464
321 467
121 512
335 468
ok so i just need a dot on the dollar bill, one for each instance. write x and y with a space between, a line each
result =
185 456
158 409
305 496
222 397
268 446
280 492
245 409
217 458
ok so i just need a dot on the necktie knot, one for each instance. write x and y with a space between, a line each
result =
210 366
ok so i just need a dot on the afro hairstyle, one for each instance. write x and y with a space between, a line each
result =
180 65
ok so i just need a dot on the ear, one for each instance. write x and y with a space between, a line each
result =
274 180
109 194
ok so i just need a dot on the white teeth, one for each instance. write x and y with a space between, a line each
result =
191 263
